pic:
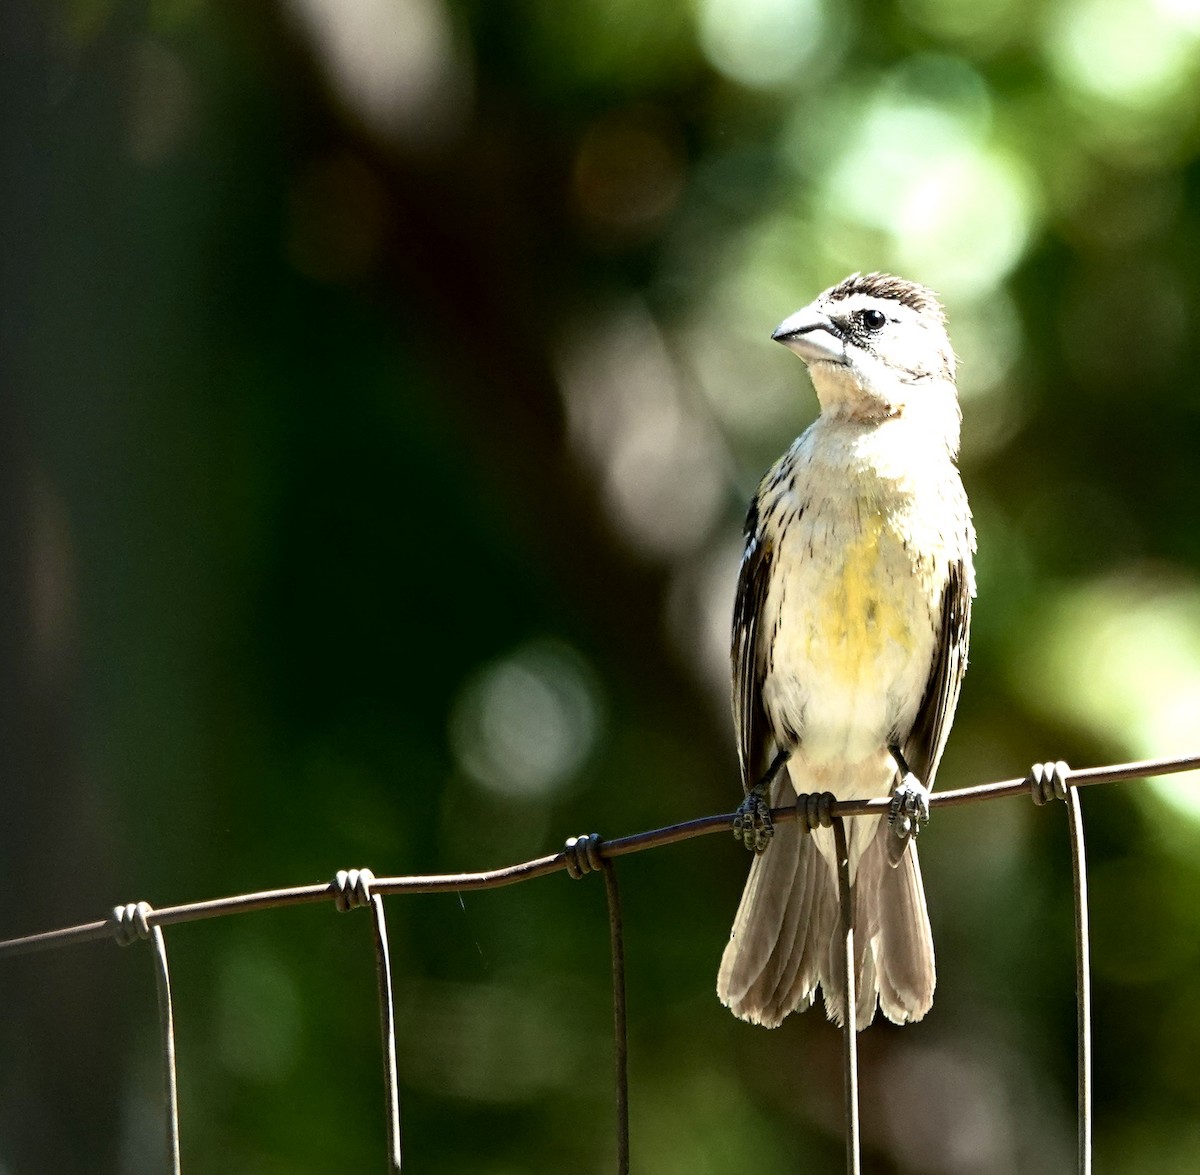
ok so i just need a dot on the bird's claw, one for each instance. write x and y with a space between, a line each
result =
909 808
752 823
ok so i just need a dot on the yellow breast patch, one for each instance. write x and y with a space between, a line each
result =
862 616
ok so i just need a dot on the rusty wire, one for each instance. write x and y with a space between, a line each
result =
540 866
620 1016
360 887
849 1000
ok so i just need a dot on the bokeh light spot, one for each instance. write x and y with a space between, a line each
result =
763 43
1122 660
917 166
394 64
661 462
1135 53
159 106
629 172
524 725
978 26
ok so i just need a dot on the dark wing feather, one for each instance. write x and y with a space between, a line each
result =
925 742
749 654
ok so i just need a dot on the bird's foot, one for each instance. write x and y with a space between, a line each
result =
909 808
752 823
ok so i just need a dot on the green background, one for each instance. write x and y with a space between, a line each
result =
383 383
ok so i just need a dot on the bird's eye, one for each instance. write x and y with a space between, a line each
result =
873 319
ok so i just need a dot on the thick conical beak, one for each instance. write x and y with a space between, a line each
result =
813 336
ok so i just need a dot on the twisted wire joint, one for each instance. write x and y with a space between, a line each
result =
583 855
815 810
352 889
130 923
1048 781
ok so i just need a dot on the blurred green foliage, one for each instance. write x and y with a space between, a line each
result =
383 386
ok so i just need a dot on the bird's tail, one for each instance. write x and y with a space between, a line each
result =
778 951
786 938
890 914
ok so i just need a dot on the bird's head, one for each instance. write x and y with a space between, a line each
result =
877 348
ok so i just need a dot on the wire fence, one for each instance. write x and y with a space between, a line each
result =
357 888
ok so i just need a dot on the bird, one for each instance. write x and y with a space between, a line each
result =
850 634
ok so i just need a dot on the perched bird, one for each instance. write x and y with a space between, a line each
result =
850 635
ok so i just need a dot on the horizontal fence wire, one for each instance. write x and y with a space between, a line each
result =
558 862
355 888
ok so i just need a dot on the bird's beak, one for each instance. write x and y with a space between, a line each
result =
813 336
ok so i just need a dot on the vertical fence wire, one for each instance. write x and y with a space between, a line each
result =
849 1019
620 1020
125 923
387 1028
166 1016
1083 983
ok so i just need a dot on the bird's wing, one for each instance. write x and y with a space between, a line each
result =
927 739
748 652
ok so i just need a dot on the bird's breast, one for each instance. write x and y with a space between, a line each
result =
853 603
853 618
